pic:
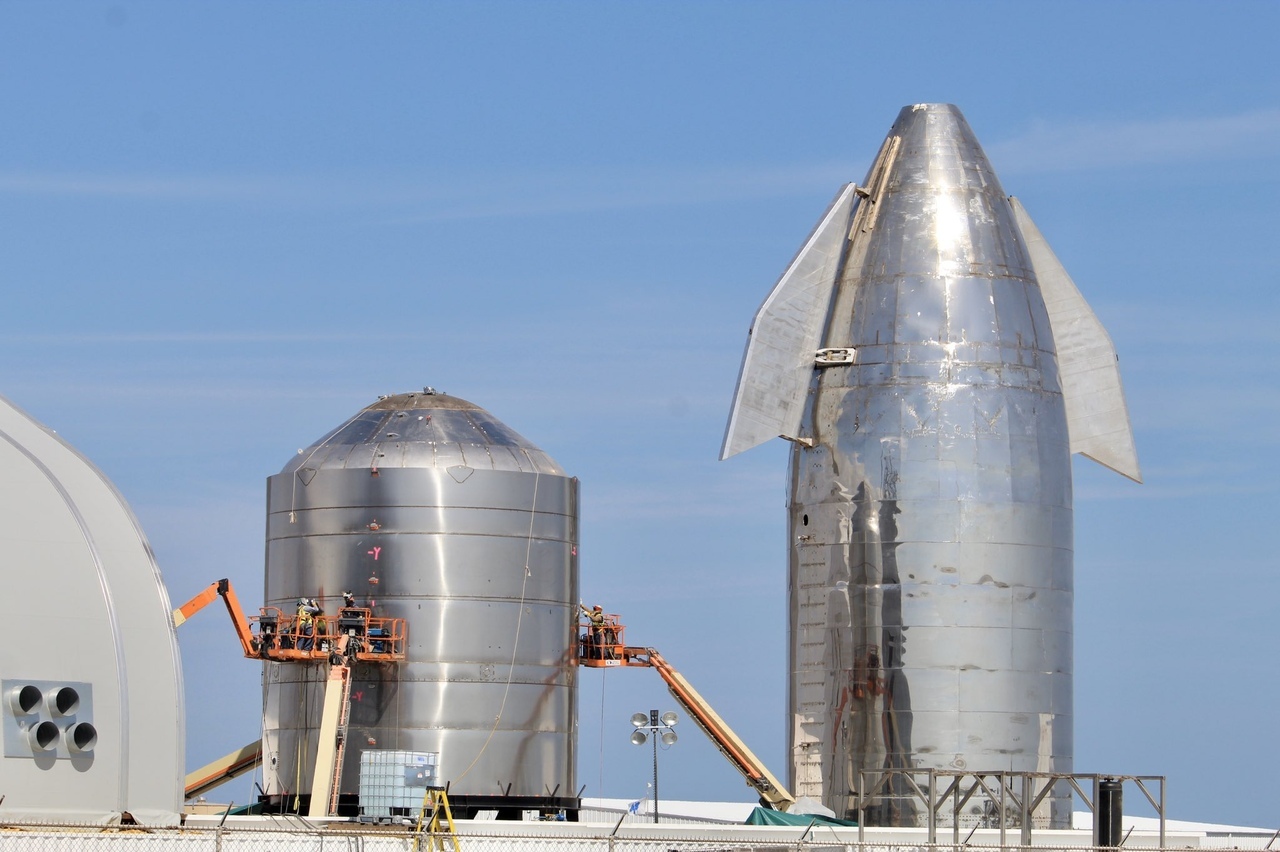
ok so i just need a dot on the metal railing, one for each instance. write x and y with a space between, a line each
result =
999 800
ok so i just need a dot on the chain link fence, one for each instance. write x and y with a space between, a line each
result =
474 838
87 839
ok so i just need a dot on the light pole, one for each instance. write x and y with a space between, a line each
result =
658 728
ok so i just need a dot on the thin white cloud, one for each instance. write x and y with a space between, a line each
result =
1157 487
418 198
577 192
184 338
1207 370
1241 416
1053 147
178 187
710 492
1160 323
1047 146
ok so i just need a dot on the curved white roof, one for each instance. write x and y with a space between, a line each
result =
89 619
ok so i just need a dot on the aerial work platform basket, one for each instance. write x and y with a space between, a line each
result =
601 644
355 633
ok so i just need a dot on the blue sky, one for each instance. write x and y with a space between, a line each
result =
227 227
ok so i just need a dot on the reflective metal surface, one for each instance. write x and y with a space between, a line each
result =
930 511
430 507
778 364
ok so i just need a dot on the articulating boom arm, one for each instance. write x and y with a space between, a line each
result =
355 633
731 746
220 588
223 769
601 645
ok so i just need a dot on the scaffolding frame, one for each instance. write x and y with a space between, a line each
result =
935 788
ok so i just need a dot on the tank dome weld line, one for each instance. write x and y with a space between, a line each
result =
515 646
293 497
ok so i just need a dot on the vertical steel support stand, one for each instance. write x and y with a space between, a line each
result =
955 816
862 805
1097 823
1004 812
933 807
653 735
1162 846
655 777
1028 789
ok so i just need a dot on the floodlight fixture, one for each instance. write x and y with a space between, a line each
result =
658 728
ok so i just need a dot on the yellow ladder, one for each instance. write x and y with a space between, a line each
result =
437 799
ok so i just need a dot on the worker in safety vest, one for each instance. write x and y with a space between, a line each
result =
600 633
307 612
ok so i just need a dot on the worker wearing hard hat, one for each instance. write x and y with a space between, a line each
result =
350 616
599 630
307 612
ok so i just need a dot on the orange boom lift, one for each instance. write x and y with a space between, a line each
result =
604 646
356 635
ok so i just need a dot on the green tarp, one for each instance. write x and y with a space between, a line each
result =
766 816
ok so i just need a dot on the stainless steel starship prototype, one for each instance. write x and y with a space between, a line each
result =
430 509
935 367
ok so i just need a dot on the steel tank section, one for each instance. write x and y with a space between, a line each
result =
434 511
